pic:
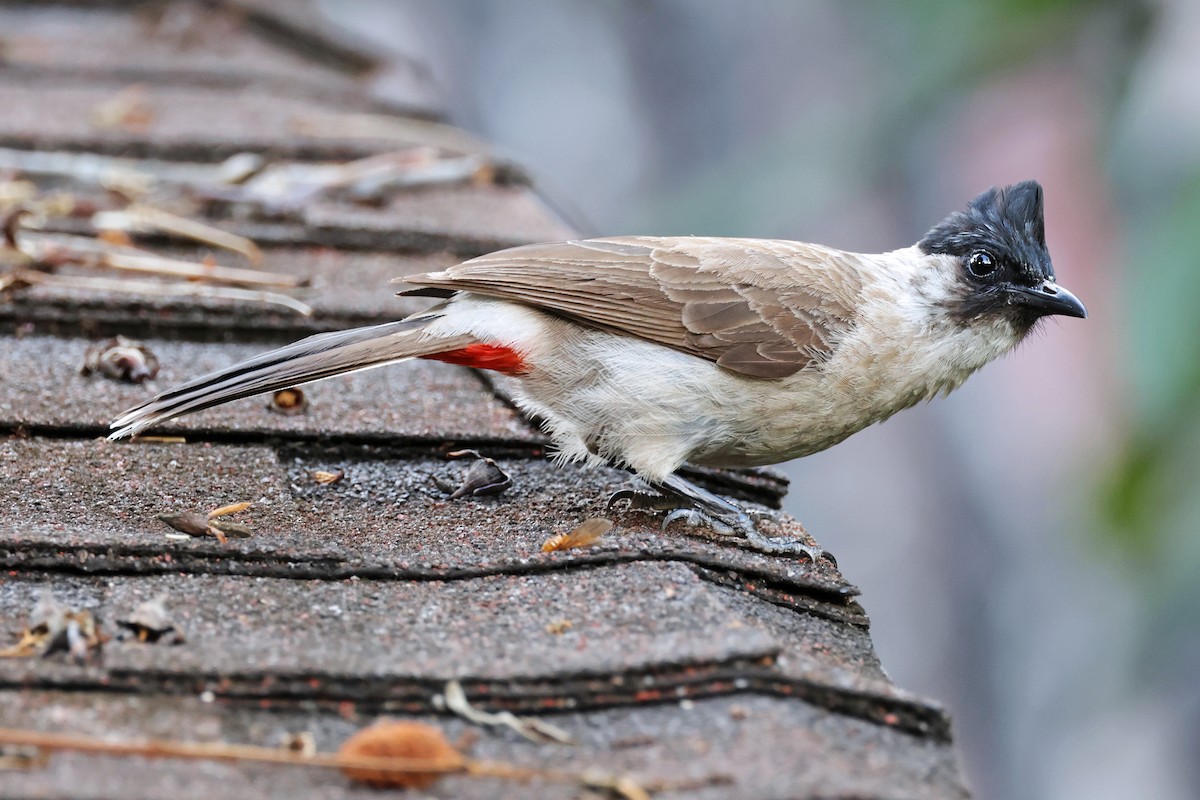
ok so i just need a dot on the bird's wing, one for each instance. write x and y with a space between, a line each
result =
763 308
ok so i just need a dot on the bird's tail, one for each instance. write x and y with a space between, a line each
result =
305 361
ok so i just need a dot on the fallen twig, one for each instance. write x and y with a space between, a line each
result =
620 785
53 249
161 289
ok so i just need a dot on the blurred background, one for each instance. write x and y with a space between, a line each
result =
1028 549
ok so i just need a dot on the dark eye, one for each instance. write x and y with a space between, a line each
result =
981 264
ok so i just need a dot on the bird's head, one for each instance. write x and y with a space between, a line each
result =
1004 269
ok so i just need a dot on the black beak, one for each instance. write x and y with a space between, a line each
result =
1048 298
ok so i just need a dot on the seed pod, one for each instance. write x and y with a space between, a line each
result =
289 402
190 523
484 476
411 741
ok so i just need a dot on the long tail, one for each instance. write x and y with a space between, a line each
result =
305 361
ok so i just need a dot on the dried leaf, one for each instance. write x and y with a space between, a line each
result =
148 219
79 638
586 534
232 508
188 522
405 740
121 359
234 530
47 614
48 623
151 623
321 476
484 476
28 645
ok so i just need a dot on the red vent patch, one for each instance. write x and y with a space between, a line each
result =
484 356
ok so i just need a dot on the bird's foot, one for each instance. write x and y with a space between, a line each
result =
744 525
723 518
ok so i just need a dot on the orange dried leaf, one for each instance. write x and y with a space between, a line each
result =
232 508
322 476
115 238
409 741
586 534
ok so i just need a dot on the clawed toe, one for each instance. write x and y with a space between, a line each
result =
745 526
788 546
694 518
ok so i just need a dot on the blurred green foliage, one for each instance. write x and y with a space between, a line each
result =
1150 498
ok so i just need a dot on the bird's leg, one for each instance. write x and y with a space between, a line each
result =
701 508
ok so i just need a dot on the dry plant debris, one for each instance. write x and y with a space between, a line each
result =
282 190
257 186
35 258
412 741
120 359
150 623
211 524
54 628
324 476
484 477
535 730
427 756
128 110
289 402
302 742
585 534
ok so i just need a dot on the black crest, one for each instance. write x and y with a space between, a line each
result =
1006 222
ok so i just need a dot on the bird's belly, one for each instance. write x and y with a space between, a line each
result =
627 401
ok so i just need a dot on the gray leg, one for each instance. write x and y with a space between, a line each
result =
699 507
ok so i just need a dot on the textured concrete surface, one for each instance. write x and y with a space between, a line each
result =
741 746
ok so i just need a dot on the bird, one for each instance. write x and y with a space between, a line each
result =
648 353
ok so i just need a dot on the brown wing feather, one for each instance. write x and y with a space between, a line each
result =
759 307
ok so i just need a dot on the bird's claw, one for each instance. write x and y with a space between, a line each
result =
745 526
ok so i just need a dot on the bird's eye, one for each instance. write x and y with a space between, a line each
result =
981 264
